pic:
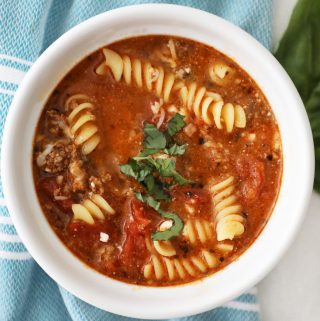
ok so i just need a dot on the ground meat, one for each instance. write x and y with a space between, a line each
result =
104 253
77 176
61 193
96 185
77 173
57 159
56 123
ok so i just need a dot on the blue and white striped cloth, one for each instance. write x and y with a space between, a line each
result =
27 27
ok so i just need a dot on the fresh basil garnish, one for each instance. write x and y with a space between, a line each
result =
177 225
156 173
175 124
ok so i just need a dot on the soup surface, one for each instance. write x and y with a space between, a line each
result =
157 160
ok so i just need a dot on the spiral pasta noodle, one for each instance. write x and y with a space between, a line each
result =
83 128
143 74
224 247
209 107
204 104
198 230
229 222
94 207
160 268
218 72
164 248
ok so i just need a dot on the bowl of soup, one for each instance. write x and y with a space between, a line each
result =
157 161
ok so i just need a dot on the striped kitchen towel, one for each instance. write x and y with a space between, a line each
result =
27 28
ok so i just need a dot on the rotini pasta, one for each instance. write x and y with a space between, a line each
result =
138 72
210 107
204 104
81 120
219 72
224 247
229 222
198 230
164 248
172 55
179 268
94 207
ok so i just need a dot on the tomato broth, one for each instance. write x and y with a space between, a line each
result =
157 160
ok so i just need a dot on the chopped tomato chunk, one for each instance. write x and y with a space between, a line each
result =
138 213
252 173
134 246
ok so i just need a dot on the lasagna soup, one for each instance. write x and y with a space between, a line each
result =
157 160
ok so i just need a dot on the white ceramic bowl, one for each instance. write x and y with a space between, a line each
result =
44 245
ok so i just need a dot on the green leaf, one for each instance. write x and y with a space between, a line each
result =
176 150
174 231
299 54
148 170
167 168
144 172
153 137
156 141
155 188
136 170
148 200
175 124
179 179
148 152
177 225
130 169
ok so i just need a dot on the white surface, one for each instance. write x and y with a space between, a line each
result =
291 292
47 249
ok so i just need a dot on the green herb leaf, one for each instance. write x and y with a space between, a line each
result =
148 200
153 137
148 170
174 231
167 168
175 124
179 179
131 169
299 54
177 225
176 150
144 172
148 152
156 141
155 188
136 170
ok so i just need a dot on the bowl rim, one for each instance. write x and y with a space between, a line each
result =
15 205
